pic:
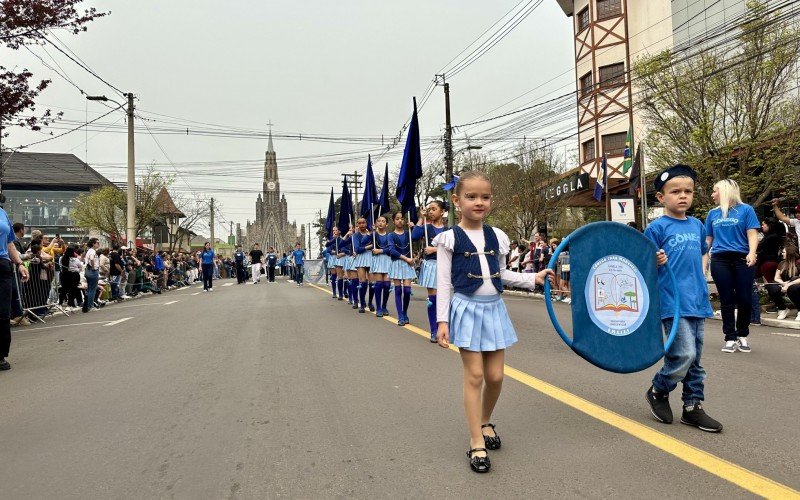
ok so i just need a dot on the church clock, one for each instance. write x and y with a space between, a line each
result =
271 186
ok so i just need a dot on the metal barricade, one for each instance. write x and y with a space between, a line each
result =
39 296
314 270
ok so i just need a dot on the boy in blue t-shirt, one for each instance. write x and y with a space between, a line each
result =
683 239
298 254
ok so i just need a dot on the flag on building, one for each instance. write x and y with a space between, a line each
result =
627 161
635 186
410 169
602 179
330 220
370 196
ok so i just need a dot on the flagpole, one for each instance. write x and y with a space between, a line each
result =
643 190
372 214
606 182
410 244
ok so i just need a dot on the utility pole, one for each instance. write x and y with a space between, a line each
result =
131 178
212 223
448 146
354 185
309 239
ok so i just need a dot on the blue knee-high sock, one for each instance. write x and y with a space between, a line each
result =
371 293
340 287
432 313
398 300
354 291
362 293
333 284
406 299
387 285
378 289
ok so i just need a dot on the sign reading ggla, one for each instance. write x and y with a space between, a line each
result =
572 184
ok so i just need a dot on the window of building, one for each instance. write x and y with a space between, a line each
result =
614 144
588 151
583 19
611 75
608 8
586 83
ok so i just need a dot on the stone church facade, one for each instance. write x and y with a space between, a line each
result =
271 227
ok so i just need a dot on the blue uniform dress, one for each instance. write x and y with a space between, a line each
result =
427 271
363 246
400 269
382 262
346 247
478 322
332 260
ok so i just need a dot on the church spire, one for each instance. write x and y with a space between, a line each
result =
270 148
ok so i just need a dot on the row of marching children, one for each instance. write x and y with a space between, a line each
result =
366 265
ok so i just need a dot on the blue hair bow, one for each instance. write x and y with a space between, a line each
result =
452 184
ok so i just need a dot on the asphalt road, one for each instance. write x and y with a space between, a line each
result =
273 391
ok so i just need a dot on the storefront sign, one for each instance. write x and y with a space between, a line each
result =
570 185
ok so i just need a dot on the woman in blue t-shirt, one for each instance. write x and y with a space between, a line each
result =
732 230
207 265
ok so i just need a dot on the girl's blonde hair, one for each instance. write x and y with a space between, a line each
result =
729 195
790 263
468 175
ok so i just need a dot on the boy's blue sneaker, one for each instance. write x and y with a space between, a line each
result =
433 338
659 406
696 417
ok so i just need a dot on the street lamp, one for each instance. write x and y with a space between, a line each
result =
131 198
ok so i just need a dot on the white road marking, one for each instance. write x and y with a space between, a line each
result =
227 284
117 322
59 326
795 335
197 293
172 302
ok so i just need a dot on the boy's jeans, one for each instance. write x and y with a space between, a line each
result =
299 273
682 362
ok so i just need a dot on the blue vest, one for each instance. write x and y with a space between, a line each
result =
466 269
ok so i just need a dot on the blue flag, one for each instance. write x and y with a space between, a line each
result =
600 185
330 220
383 199
345 210
370 195
410 169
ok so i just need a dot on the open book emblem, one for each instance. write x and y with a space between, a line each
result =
616 295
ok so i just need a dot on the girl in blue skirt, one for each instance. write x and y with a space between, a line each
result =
471 260
330 253
430 224
343 264
402 270
362 244
381 262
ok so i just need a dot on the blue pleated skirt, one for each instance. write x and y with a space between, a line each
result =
427 274
401 270
347 263
332 261
381 263
480 323
363 259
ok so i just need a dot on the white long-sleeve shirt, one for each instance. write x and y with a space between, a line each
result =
445 243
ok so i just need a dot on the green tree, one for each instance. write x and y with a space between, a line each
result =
104 209
729 111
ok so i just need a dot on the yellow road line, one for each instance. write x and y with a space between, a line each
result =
744 478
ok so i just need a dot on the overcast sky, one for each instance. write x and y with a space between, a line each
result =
347 68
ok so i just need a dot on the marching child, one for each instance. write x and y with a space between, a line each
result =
402 270
428 227
381 262
332 262
362 244
471 259
684 240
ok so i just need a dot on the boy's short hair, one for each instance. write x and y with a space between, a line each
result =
678 170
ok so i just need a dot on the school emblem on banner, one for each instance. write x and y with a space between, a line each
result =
616 295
